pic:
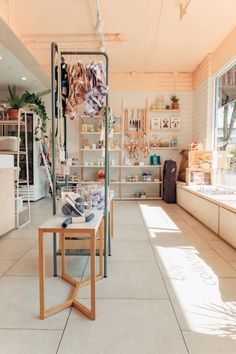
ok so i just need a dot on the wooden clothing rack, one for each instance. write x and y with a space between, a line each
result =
55 52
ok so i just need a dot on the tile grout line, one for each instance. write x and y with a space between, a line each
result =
63 332
177 321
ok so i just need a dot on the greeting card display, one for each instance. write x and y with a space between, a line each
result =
175 122
165 123
155 123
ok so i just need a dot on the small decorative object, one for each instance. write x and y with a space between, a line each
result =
154 143
155 123
101 176
175 102
174 142
196 145
133 178
84 128
153 107
175 122
100 144
142 195
147 177
90 128
164 142
165 123
94 146
117 128
86 144
167 106
160 102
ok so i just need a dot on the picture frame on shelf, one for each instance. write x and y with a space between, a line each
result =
155 123
165 123
175 122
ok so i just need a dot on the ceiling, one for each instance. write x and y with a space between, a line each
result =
12 70
155 39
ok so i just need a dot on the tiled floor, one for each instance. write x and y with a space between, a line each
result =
171 289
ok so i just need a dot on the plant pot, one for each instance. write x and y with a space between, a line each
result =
175 105
13 113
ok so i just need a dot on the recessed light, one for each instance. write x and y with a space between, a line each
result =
23 78
0 58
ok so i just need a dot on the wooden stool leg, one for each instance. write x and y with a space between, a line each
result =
100 233
41 275
93 274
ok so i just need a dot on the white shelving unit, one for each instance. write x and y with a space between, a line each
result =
20 122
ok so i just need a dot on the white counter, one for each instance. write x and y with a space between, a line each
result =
216 211
7 194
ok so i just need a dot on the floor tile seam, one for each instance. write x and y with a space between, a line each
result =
18 260
63 331
220 255
128 298
29 329
171 303
184 247
37 276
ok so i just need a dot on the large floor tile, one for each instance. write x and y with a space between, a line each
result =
125 327
28 265
210 344
129 280
130 233
28 231
182 263
205 305
14 249
139 250
19 303
205 233
5 265
29 341
172 239
225 250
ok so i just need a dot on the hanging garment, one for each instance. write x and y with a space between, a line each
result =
64 88
169 181
78 87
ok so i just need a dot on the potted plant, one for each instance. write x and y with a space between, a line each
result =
34 100
175 102
16 102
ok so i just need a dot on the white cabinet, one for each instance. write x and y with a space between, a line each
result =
7 193
228 226
202 209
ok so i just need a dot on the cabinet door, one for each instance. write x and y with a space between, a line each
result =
228 226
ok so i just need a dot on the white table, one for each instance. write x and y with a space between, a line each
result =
91 230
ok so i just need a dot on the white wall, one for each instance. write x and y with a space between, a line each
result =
203 121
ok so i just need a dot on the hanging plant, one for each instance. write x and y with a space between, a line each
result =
38 106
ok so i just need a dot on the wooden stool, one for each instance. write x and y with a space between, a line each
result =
83 230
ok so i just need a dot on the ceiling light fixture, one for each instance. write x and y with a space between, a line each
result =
23 78
99 27
183 6
0 58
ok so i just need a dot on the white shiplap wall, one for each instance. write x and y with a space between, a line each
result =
202 113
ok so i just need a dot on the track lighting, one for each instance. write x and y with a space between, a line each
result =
99 26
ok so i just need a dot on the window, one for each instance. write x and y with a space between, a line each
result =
225 126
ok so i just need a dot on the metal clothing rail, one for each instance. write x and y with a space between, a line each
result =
54 52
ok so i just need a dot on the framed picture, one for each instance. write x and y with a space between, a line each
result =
155 123
175 122
165 123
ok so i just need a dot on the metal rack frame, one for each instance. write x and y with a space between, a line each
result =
107 245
